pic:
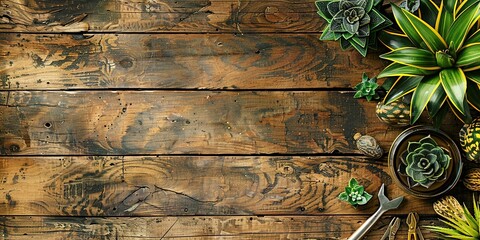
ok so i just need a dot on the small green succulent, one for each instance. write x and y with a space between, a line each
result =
353 22
424 162
367 88
410 5
355 194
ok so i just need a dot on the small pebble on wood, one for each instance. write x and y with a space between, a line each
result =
368 145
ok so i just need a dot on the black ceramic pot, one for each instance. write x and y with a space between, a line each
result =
414 134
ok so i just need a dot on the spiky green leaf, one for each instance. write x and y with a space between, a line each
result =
469 56
397 69
401 87
429 11
474 38
429 35
411 56
436 101
444 20
323 10
455 84
394 40
461 26
473 95
407 26
422 95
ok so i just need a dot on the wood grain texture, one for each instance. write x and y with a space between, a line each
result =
201 227
188 185
232 16
214 61
187 122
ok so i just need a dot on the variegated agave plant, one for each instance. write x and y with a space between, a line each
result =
436 58
353 22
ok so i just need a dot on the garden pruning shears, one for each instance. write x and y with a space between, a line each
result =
391 229
413 230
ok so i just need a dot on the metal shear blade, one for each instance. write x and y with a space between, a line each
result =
391 229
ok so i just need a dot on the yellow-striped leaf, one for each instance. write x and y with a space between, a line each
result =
415 57
474 38
469 56
394 40
428 11
474 76
401 87
464 5
461 26
473 95
430 36
422 95
454 83
444 20
397 69
406 26
436 101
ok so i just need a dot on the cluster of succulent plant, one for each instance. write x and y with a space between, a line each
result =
355 194
461 223
435 58
424 162
367 88
353 22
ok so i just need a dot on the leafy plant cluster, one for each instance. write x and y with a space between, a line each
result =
434 50
355 194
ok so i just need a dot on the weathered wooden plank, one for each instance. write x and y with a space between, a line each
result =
238 16
188 185
201 227
214 61
187 122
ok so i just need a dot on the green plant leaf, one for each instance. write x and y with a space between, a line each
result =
422 95
440 115
397 69
436 101
414 57
454 83
473 76
360 49
465 117
473 95
444 20
401 87
474 38
353 182
461 26
322 9
394 40
407 27
428 11
343 196
469 56
430 36
465 5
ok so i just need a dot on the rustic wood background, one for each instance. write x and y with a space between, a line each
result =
132 119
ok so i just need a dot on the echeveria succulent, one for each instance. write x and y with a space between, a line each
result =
355 194
353 22
367 88
424 162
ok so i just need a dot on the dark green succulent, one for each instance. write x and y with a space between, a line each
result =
424 162
410 5
355 194
353 22
367 88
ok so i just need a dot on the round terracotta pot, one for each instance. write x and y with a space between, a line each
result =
416 133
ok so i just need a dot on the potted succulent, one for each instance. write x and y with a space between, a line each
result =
424 162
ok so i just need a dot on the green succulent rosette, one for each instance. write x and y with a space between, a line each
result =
353 22
424 162
355 194
367 88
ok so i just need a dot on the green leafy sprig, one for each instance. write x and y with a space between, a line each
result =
355 194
